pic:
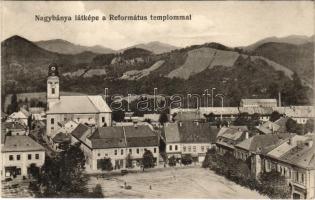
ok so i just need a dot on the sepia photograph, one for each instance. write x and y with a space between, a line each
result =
157 99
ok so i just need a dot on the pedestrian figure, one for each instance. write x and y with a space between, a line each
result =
150 187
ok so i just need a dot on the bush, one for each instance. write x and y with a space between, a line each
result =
186 159
172 161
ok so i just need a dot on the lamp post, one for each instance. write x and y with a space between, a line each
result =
221 96
212 96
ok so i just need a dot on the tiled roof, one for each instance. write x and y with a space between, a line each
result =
21 143
81 132
302 154
286 146
18 115
258 142
231 133
13 125
190 132
123 136
79 104
170 133
140 136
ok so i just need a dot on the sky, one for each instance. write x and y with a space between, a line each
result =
232 23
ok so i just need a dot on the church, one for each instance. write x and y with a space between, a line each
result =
90 109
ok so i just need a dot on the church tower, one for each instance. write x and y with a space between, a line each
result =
53 95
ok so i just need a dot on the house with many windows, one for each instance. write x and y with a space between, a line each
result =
91 110
193 138
19 154
228 137
117 143
252 147
295 159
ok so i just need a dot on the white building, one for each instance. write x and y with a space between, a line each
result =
116 143
258 103
193 138
81 109
19 153
294 159
20 117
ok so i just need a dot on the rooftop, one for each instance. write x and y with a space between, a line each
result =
79 104
259 142
21 143
190 132
118 136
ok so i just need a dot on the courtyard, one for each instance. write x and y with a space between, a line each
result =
191 182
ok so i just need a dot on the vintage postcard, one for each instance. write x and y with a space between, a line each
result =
157 99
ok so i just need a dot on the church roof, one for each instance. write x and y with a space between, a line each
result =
79 104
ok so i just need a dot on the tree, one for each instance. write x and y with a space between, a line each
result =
242 119
309 126
29 122
274 116
274 185
118 115
172 161
129 161
147 159
163 118
105 164
62 175
293 127
210 117
187 159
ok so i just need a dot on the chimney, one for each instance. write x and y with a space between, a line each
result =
246 135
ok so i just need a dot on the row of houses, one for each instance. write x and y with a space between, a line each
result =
298 113
117 143
291 155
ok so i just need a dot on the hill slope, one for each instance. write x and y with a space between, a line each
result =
298 58
291 39
65 47
155 47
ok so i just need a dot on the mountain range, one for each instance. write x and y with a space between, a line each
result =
237 72
65 47
291 39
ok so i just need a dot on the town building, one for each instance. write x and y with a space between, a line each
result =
252 147
14 128
278 126
117 143
91 110
258 103
19 153
298 113
228 137
193 138
295 159
20 117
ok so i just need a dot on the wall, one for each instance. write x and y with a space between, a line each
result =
23 163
